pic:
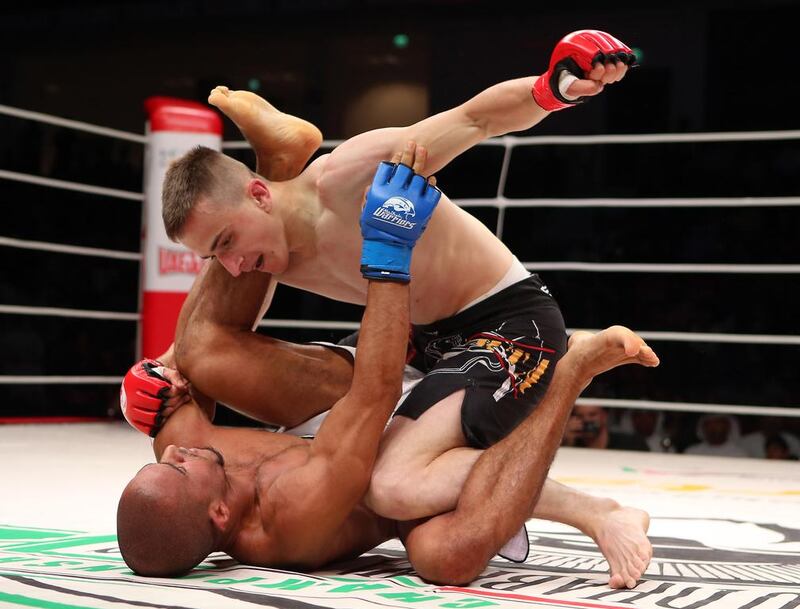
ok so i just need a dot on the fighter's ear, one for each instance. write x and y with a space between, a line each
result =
260 192
219 513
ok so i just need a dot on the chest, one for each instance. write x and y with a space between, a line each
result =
271 469
333 270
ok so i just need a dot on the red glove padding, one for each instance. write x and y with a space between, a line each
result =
577 53
142 396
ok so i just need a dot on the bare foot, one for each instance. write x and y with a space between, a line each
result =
621 535
283 143
593 354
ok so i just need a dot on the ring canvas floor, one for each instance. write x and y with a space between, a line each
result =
726 535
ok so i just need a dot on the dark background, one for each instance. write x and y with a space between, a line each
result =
707 66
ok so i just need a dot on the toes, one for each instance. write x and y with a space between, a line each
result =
616 581
220 90
218 96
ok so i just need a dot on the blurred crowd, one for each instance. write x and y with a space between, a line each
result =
723 435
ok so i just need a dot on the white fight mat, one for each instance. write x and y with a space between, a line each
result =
726 535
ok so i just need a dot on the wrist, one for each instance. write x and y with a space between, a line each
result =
385 260
168 358
547 93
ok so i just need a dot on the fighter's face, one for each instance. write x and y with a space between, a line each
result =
200 470
243 236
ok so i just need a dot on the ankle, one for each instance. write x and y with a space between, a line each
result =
575 367
601 509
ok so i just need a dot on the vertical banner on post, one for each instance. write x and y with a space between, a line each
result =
168 269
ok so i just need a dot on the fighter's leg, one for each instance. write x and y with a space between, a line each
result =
620 532
508 477
264 378
473 397
434 485
422 463
283 143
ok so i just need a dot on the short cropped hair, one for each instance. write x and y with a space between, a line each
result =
161 532
201 172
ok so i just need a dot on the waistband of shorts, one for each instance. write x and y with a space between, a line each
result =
516 272
516 299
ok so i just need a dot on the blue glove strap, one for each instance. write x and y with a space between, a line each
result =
385 260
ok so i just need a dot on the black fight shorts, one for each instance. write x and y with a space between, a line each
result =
502 351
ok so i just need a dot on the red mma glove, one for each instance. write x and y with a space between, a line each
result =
142 396
577 53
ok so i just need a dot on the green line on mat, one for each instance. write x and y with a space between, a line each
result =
79 541
27 601
21 533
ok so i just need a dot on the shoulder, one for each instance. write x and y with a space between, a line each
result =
320 177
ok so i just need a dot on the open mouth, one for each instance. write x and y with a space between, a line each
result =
259 262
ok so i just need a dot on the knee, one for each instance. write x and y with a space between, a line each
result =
391 493
451 561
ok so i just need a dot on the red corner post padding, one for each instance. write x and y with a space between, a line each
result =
175 126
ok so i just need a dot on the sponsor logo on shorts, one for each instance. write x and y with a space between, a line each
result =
396 211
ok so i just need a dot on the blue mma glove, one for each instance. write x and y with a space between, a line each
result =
399 205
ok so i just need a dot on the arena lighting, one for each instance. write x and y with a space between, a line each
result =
400 41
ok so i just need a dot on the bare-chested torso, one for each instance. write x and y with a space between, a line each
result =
268 541
266 535
456 261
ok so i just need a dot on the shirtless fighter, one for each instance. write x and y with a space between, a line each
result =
281 500
292 402
234 355
472 301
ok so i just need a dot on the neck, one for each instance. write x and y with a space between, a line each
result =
299 214
240 497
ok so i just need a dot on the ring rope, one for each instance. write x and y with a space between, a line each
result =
775 411
305 324
69 249
787 411
66 185
500 202
719 136
711 337
632 138
628 267
501 212
693 202
72 313
59 380
309 324
245 145
654 138
71 124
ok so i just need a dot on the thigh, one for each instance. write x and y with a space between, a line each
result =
407 442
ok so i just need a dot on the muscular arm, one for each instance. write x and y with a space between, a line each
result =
259 376
326 488
503 108
190 427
